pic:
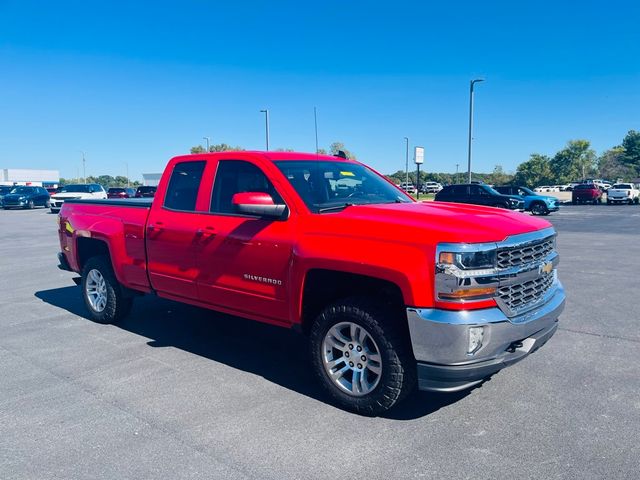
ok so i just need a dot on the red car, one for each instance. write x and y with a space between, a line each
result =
586 193
393 294
121 192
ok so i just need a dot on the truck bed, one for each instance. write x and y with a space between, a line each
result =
125 202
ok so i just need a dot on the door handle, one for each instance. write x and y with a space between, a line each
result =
205 231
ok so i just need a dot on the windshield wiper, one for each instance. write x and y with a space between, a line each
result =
335 207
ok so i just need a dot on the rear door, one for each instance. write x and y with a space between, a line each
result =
244 260
479 196
171 235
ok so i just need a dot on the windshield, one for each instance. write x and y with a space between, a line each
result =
490 190
116 190
22 190
75 189
326 184
585 187
524 191
623 186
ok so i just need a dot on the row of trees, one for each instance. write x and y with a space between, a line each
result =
578 161
105 180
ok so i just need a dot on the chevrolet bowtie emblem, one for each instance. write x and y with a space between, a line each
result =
545 268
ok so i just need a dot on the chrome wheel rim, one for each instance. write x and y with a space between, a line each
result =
352 358
96 290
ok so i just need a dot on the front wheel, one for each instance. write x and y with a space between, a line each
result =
361 356
539 209
102 293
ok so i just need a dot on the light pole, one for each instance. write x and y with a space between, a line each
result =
84 167
126 165
315 120
208 139
471 84
406 168
457 165
266 125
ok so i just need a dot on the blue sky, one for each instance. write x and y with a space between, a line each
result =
139 82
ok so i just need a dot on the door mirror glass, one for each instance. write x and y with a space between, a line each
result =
257 203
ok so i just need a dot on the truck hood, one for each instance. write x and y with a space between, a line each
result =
430 222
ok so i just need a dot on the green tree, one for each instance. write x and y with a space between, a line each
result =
335 147
611 165
198 149
499 176
534 172
574 161
218 147
631 156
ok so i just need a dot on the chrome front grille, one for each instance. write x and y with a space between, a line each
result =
521 255
525 295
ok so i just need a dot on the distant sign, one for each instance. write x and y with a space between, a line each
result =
418 155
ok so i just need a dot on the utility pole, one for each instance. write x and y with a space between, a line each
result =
406 168
471 84
266 121
127 171
208 139
84 167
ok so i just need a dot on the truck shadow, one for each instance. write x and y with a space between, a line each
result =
274 353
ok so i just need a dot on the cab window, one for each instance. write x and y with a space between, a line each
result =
184 183
238 176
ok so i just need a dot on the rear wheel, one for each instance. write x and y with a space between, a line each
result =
102 293
361 356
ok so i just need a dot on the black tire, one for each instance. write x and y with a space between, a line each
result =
398 375
574 202
636 200
117 305
539 208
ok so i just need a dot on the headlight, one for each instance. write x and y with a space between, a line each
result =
469 260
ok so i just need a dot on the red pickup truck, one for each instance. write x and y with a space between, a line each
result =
391 293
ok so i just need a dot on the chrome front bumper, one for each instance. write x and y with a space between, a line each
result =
440 340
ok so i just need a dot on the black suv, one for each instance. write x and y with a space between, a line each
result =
479 194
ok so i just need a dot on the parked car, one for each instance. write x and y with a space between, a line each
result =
533 202
623 193
479 194
146 192
75 192
3 191
586 193
26 197
393 294
121 192
430 187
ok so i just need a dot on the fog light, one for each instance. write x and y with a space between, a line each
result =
476 334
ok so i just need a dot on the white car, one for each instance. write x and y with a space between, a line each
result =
542 189
408 187
623 193
430 187
77 191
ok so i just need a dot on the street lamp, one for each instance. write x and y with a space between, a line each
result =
406 168
457 165
266 125
208 139
471 84
84 167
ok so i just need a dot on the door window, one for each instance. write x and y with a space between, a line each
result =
238 176
183 186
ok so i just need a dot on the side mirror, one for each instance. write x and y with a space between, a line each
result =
257 203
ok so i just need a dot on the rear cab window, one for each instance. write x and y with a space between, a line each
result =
184 184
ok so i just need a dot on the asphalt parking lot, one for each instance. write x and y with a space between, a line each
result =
179 392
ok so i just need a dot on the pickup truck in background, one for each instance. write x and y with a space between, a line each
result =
392 294
623 193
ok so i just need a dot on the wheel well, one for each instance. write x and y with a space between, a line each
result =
90 247
322 287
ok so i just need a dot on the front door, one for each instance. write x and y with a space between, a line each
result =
244 260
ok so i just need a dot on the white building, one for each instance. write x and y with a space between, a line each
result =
26 176
151 179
